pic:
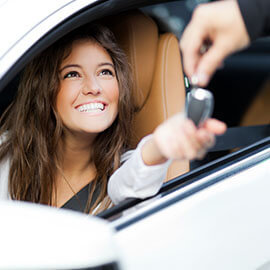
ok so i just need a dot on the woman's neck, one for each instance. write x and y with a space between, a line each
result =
75 153
76 168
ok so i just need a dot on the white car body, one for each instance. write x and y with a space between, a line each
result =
25 22
217 227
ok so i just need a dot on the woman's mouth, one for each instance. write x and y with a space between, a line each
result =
91 107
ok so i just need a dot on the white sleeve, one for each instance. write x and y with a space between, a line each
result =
4 173
134 179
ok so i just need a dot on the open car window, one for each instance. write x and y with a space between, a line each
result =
170 16
231 85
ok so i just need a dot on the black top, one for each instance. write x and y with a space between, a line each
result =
256 15
79 201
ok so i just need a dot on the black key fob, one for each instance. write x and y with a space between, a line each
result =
199 105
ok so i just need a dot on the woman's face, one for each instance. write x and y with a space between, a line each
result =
87 101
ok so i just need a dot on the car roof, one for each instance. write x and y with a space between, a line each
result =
21 17
29 20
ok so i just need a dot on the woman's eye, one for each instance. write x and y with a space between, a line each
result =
106 72
72 74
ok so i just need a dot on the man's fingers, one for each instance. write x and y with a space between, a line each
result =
220 23
210 61
191 54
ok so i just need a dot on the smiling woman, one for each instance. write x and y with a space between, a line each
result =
87 101
58 138
67 132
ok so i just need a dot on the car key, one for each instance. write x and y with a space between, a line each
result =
200 104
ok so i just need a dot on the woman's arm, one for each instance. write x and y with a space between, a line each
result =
135 179
144 171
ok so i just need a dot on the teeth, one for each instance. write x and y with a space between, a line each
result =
91 107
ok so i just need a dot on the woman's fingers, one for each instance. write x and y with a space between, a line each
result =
188 142
206 138
190 132
215 126
179 138
194 142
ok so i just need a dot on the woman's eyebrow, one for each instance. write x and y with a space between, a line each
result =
105 64
69 66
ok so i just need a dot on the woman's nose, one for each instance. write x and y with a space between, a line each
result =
91 86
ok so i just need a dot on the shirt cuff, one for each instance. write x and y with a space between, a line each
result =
253 13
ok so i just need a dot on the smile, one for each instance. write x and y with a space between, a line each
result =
90 107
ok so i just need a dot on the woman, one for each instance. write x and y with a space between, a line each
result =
69 128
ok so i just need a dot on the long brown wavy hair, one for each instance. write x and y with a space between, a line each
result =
32 128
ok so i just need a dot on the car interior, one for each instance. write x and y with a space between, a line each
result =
159 87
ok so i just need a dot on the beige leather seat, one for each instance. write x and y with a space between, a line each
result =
158 77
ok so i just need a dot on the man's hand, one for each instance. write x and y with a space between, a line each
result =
219 24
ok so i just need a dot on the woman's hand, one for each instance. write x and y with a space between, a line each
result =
179 138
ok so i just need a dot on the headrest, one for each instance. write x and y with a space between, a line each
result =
137 35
